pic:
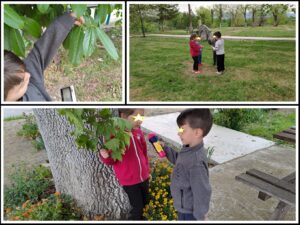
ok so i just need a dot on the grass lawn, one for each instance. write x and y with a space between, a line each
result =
270 123
97 78
160 70
265 31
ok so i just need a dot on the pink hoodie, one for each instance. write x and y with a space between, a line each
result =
134 167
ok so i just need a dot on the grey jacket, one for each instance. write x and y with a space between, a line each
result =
190 187
42 54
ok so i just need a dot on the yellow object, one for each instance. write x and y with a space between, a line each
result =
138 117
157 146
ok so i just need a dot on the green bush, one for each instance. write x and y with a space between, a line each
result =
237 118
56 207
30 130
27 185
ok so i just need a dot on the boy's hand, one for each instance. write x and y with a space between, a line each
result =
79 21
104 153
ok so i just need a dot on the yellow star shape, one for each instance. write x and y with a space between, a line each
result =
138 117
180 130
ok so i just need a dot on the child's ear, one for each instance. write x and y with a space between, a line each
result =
199 132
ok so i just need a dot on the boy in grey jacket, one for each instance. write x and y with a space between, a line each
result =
219 48
190 187
24 81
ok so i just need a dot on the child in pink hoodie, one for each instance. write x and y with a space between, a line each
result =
133 171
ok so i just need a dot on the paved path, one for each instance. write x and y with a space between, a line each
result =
228 37
228 144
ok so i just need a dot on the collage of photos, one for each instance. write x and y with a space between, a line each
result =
149 111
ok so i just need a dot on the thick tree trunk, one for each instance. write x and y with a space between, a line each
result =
79 172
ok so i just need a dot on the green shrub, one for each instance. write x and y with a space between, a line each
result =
237 118
56 207
27 185
31 131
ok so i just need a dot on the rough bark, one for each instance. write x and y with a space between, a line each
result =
79 172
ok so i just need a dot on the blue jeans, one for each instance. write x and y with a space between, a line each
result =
185 216
200 58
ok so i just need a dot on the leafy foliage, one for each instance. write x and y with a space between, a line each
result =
24 23
98 126
27 185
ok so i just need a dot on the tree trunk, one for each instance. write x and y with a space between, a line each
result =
142 22
190 19
78 172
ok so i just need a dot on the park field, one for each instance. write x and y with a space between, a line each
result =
264 31
160 70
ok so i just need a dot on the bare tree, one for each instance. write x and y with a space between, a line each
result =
190 19
244 9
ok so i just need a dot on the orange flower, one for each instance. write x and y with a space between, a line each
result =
25 204
29 210
98 217
26 215
57 194
8 210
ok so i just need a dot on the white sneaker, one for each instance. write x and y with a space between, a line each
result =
219 73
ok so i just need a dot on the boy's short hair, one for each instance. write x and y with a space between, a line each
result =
196 118
218 34
193 36
13 66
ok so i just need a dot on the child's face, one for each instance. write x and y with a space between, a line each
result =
136 119
20 89
190 136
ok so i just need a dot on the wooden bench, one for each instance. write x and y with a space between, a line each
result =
270 186
287 135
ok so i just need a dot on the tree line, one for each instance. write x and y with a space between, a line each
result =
159 17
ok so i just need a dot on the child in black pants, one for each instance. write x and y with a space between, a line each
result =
219 48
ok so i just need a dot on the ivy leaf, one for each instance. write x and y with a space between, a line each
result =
79 9
107 43
75 48
43 8
17 43
32 27
12 18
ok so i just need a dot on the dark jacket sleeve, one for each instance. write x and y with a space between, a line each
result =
171 154
201 190
46 47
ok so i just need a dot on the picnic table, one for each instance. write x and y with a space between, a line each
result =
287 135
270 186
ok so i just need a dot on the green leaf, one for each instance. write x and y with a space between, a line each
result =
32 27
89 41
107 43
79 9
76 46
17 43
7 38
112 144
67 42
12 18
116 155
101 13
43 8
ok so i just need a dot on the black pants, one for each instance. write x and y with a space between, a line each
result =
196 61
138 198
220 62
214 58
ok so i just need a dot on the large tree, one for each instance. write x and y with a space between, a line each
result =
165 12
79 172
277 11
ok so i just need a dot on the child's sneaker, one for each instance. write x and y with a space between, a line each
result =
199 71
219 73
